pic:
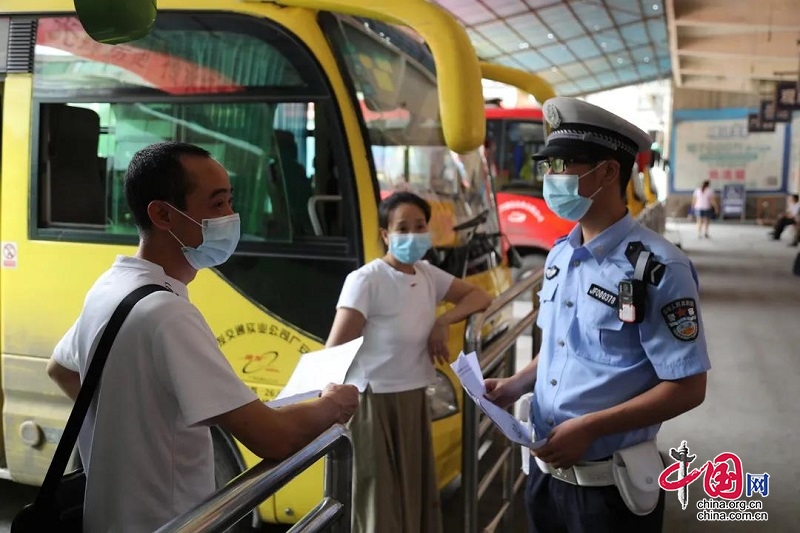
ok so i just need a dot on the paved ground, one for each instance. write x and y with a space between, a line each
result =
751 304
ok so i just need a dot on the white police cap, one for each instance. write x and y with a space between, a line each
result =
578 128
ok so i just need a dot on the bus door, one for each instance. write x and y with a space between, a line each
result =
396 89
4 247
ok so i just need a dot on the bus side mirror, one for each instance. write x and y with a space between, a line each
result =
116 21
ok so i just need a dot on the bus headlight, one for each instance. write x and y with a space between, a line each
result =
442 397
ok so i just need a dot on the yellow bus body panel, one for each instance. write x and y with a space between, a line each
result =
43 295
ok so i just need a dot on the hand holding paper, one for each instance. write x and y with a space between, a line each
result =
295 398
345 397
469 373
316 369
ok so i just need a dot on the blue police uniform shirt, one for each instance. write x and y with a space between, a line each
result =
589 359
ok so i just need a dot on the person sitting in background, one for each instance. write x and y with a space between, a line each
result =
790 218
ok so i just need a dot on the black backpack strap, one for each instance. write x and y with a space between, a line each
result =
47 492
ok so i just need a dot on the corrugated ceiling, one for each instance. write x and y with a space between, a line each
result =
579 46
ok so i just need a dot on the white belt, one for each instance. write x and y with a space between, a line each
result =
588 474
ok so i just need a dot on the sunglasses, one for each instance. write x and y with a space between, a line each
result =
559 165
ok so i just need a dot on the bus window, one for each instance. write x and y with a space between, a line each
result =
494 147
521 139
263 118
396 90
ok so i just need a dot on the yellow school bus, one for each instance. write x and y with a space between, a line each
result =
317 109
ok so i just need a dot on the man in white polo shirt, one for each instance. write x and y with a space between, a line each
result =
790 218
145 444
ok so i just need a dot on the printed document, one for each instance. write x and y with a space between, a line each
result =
295 398
469 373
317 369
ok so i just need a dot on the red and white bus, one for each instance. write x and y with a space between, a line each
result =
513 135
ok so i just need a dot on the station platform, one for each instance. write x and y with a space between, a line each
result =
751 310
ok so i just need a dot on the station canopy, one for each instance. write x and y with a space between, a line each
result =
578 46
734 45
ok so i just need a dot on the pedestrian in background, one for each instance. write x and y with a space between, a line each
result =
704 205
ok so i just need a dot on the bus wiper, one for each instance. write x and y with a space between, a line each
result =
473 222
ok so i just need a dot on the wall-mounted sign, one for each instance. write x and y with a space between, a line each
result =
766 117
787 95
733 200
723 152
755 125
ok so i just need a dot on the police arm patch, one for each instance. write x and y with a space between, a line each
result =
681 318
551 272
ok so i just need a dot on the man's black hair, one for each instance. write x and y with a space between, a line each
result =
157 173
397 199
796 198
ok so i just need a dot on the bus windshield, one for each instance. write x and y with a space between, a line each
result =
395 83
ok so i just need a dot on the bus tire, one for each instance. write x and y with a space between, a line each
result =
228 464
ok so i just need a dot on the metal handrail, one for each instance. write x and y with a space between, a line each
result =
475 326
500 350
311 207
239 497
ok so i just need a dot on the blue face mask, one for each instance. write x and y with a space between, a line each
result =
408 248
561 195
220 237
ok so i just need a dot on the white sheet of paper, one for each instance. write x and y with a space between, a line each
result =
468 371
289 400
317 369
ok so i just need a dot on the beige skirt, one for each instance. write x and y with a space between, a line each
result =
394 477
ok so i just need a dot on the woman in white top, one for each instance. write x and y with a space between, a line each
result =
704 203
392 302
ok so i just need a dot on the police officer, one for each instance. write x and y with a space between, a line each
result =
623 347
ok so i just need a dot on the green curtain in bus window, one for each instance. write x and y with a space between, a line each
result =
237 134
174 61
194 55
244 61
